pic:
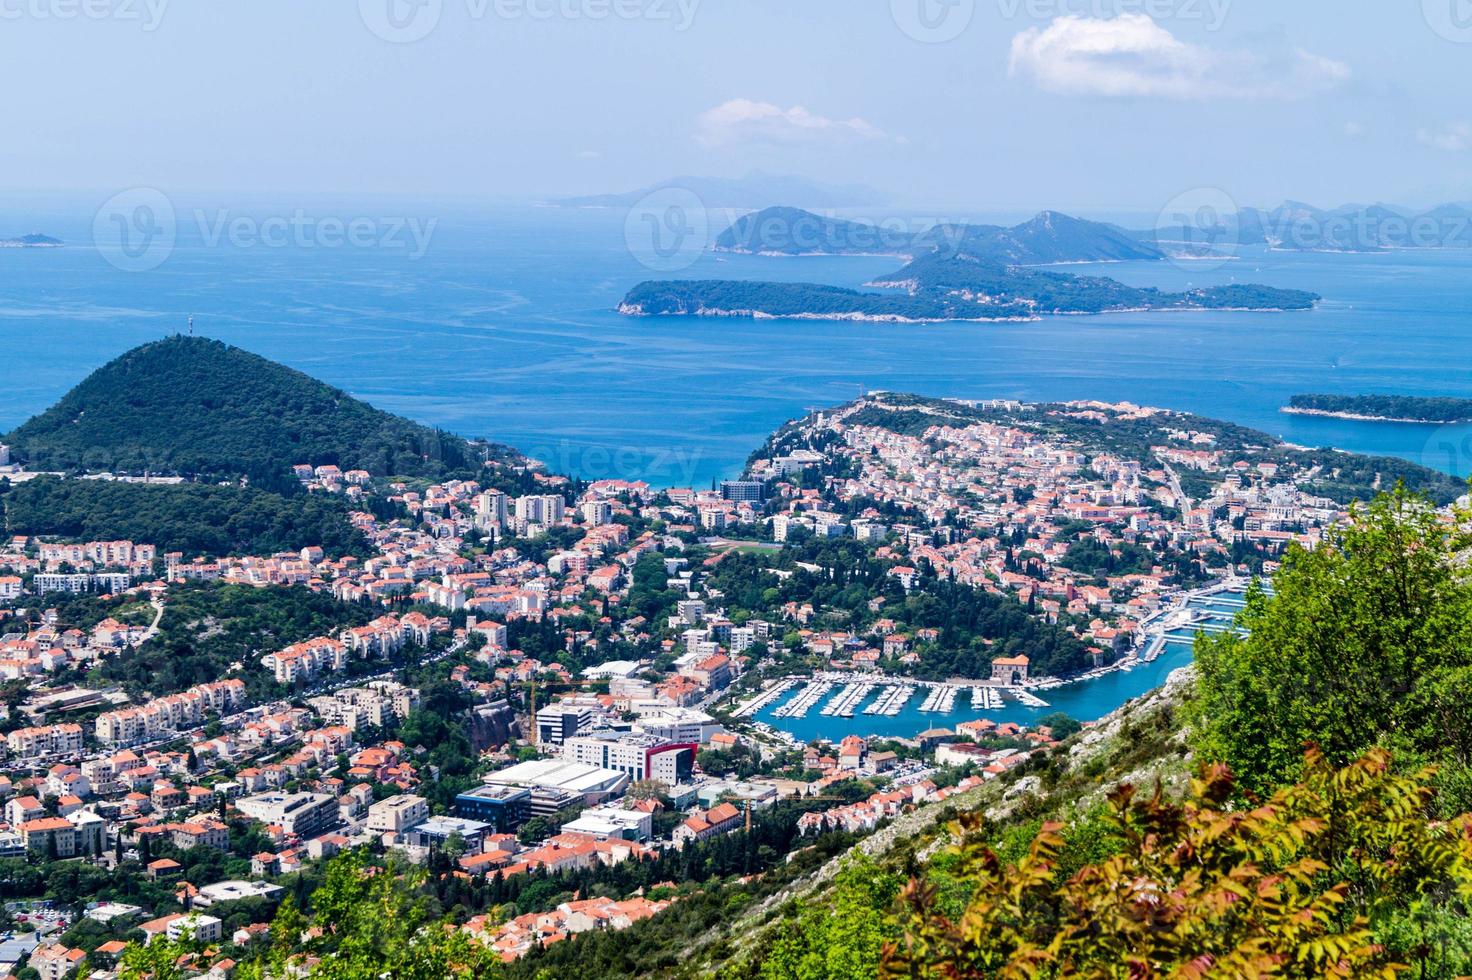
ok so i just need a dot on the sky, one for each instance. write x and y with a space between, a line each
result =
1088 105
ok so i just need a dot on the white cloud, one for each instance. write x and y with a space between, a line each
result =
590 155
1453 137
1131 55
742 120
1354 130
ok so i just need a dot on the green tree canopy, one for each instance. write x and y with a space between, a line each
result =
1366 640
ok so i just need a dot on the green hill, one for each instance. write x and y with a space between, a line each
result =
195 518
201 408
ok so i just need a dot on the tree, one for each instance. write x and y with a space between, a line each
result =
1339 875
1367 640
841 938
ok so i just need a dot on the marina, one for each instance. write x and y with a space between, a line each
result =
889 706
848 699
891 701
752 705
799 706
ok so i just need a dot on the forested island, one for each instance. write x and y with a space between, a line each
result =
1383 408
33 240
955 272
938 289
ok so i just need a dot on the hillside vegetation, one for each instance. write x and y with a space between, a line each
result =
200 408
195 518
1415 408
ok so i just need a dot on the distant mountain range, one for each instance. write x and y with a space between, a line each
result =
1296 226
752 192
34 240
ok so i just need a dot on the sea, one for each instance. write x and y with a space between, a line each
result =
500 322
1084 700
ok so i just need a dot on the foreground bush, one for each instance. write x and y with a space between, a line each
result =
1340 875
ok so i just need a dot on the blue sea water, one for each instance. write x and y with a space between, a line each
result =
505 327
1085 700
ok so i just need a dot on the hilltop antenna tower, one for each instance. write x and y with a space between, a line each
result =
191 324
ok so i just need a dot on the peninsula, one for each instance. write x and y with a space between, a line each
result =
1383 408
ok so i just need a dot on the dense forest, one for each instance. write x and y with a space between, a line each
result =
195 518
198 407
1401 407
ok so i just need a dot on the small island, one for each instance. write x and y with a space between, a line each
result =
33 240
941 287
1383 408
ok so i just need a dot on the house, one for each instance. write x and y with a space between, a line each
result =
55 961
720 819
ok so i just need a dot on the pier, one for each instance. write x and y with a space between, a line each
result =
891 701
940 698
847 701
1025 696
799 706
760 701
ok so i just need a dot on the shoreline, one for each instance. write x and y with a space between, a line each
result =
1357 417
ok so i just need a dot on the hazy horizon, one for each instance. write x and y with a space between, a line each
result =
1007 105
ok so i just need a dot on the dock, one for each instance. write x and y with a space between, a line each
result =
894 698
799 706
752 705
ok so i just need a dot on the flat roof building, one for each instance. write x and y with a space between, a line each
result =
299 814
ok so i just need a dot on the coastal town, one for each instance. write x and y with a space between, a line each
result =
563 679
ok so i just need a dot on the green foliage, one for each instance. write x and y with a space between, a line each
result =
1340 875
195 518
1388 406
199 407
1367 640
207 627
842 937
